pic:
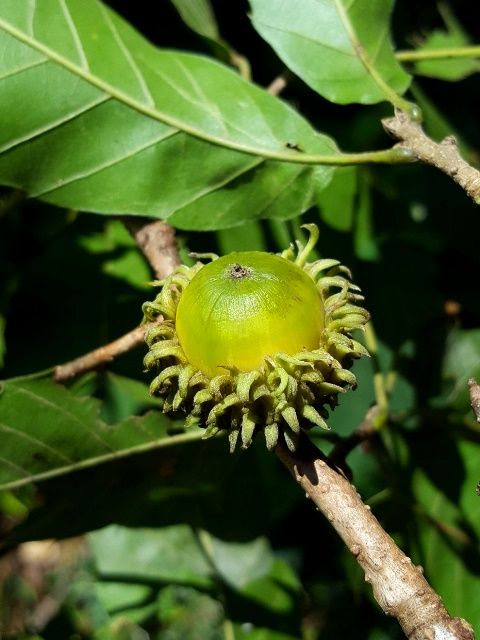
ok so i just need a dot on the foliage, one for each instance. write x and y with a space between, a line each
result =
163 535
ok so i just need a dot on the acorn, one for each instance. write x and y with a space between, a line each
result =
255 342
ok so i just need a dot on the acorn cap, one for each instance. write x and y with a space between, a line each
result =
255 342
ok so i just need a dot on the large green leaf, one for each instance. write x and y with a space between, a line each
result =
340 48
46 431
96 118
91 473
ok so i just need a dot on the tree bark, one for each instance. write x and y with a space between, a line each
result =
398 585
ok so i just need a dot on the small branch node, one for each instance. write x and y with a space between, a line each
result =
443 155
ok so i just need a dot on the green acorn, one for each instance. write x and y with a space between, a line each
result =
255 342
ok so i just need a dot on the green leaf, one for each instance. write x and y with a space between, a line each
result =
240 563
340 48
96 118
365 239
337 201
248 237
461 362
277 590
173 481
170 554
199 16
452 69
450 534
47 432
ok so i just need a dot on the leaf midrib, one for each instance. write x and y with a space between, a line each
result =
118 454
155 113
368 62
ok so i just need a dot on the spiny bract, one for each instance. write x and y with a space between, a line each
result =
255 342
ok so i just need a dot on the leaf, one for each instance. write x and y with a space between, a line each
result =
199 16
51 435
365 239
461 362
46 432
450 70
240 563
257 583
248 237
340 48
450 540
337 201
170 554
96 118
453 69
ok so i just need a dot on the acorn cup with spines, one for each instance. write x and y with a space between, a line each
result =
255 342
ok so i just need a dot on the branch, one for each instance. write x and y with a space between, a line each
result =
157 241
279 83
444 155
474 391
398 586
104 354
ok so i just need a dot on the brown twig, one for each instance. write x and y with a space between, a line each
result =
279 83
444 155
157 241
398 586
474 391
102 355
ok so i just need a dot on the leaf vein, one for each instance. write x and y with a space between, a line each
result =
71 416
16 467
38 443
221 183
11 144
111 163
302 36
25 67
205 107
129 58
75 35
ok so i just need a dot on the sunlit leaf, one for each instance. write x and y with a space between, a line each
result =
170 554
47 431
96 118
